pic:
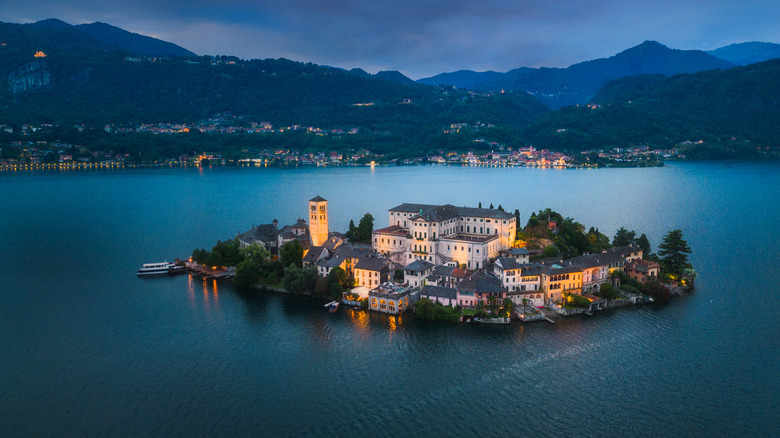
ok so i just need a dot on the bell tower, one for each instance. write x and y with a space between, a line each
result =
318 220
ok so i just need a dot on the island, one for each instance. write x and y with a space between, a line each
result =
451 263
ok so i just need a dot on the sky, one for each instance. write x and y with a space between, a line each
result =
421 38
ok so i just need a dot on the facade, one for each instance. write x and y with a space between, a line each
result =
416 272
445 235
370 272
318 220
480 288
642 270
389 298
447 296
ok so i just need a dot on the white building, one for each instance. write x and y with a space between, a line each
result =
445 235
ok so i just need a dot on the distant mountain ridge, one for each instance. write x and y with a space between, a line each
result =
577 83
132 42
58 36
747 53
731 112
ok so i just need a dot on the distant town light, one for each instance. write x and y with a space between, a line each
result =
39 54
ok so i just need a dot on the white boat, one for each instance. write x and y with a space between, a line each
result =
155 268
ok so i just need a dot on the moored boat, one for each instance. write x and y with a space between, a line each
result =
156 268
333 306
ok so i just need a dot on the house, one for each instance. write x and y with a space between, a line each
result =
480 287
265 235
416 272
642 270
447 296
370 271
521 254
447 276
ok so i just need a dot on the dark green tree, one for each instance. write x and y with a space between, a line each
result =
291 253
337 275
644 243
336 291
365 228
674 251
656 290
607 292
551 251
491 205
623 237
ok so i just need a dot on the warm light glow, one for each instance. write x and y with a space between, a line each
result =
39 54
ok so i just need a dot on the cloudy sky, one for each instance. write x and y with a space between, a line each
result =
422 37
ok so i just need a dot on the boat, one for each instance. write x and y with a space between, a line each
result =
333 306
156 268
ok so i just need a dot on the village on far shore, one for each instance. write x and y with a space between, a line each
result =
450 263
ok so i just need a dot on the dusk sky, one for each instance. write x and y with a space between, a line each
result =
421 38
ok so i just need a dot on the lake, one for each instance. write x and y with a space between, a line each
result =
89 349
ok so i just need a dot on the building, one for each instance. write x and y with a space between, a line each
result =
480 288
445 235
416 272
390 298
318 220
370 271
642 270
447 296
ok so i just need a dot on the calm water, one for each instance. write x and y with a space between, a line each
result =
88 349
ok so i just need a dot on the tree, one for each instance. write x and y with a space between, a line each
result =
297 280
656 290
291 253
674 251
500 208
321 288
352 228
246 275
336 291
644 244
365 228
623 237
337 275
551 251
215 259
607 292
508 305
480 205
491 205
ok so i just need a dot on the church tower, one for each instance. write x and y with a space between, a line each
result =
318 221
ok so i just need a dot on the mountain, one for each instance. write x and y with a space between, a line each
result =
461 78
577 83
395 76
132 42
729 113
52 72
747 53
56 36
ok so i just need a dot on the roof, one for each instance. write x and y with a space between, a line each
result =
438 213
439 291
393 229
516 251
313 254
263 233
508 263
444 271
419 266
531 269
480 282
354 252
332 243
333 262
370 263
318 198
300 223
